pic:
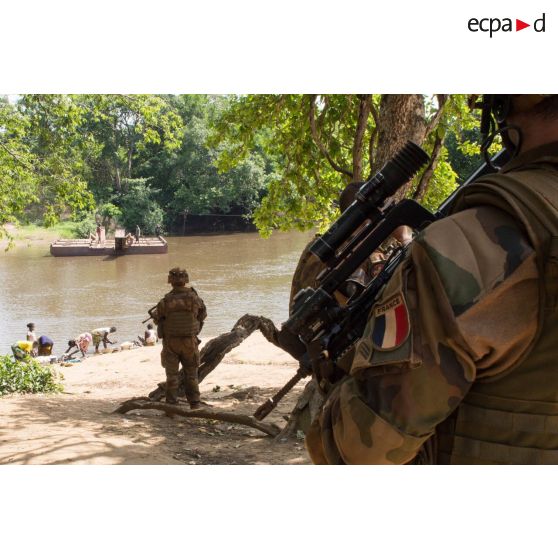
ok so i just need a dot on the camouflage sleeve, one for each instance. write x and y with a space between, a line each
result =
160 311
462 306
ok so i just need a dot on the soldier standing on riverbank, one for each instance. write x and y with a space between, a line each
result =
179 317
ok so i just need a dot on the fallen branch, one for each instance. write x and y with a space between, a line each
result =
144 403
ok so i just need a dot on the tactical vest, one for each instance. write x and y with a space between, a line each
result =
181 311
512 417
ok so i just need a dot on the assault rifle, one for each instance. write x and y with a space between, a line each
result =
320 331
152 314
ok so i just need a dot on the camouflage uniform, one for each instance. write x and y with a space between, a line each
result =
179 317
456 363
307 269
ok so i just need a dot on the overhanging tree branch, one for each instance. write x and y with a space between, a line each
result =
435 120
318 141
429 170
16 157
373 136
358 145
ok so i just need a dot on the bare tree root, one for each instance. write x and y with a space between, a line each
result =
143 403
215 349
211 356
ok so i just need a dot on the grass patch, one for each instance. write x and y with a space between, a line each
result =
65 229
27 376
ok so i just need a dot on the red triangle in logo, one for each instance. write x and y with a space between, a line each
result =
519 25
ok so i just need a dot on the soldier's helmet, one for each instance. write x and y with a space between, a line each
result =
495 113
178 276
501 106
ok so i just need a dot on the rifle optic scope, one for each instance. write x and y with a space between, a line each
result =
369 199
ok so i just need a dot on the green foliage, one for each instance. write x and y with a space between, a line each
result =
85 227
304 188
40 159
456 121
441 185
463 153
127 129
200 188
17 180
144 159
139 206
303 184
27 376
58 150
109 211
188 179
57 145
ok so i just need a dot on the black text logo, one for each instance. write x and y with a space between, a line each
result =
493 25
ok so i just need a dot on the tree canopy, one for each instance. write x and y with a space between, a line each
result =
320 143
281 160
41 164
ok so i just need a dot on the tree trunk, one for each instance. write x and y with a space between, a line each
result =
118 181
358 145
401 118
129 162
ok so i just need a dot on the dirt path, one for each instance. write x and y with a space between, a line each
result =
78 426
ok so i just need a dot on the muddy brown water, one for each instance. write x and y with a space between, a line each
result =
235 274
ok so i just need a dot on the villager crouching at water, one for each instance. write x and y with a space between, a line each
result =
179 317
23 349
150 336
45 345
81 343
100 335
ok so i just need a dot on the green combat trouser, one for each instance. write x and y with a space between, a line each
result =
176 351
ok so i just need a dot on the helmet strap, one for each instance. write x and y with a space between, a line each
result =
508 144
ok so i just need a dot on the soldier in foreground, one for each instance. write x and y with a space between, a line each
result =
458 360
179 317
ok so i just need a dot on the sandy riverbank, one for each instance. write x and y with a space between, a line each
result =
77 426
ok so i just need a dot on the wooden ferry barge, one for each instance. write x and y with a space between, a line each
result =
118 246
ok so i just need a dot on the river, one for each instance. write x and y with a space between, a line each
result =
234 274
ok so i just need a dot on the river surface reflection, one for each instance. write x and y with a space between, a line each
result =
234 274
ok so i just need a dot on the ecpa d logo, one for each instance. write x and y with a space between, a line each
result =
493 25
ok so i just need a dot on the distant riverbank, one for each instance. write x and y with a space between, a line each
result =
26 235
31 235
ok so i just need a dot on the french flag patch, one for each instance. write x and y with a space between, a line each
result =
391 324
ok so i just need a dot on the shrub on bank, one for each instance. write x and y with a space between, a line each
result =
27 376
85 227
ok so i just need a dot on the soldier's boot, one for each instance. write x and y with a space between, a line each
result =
191 387
171 397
